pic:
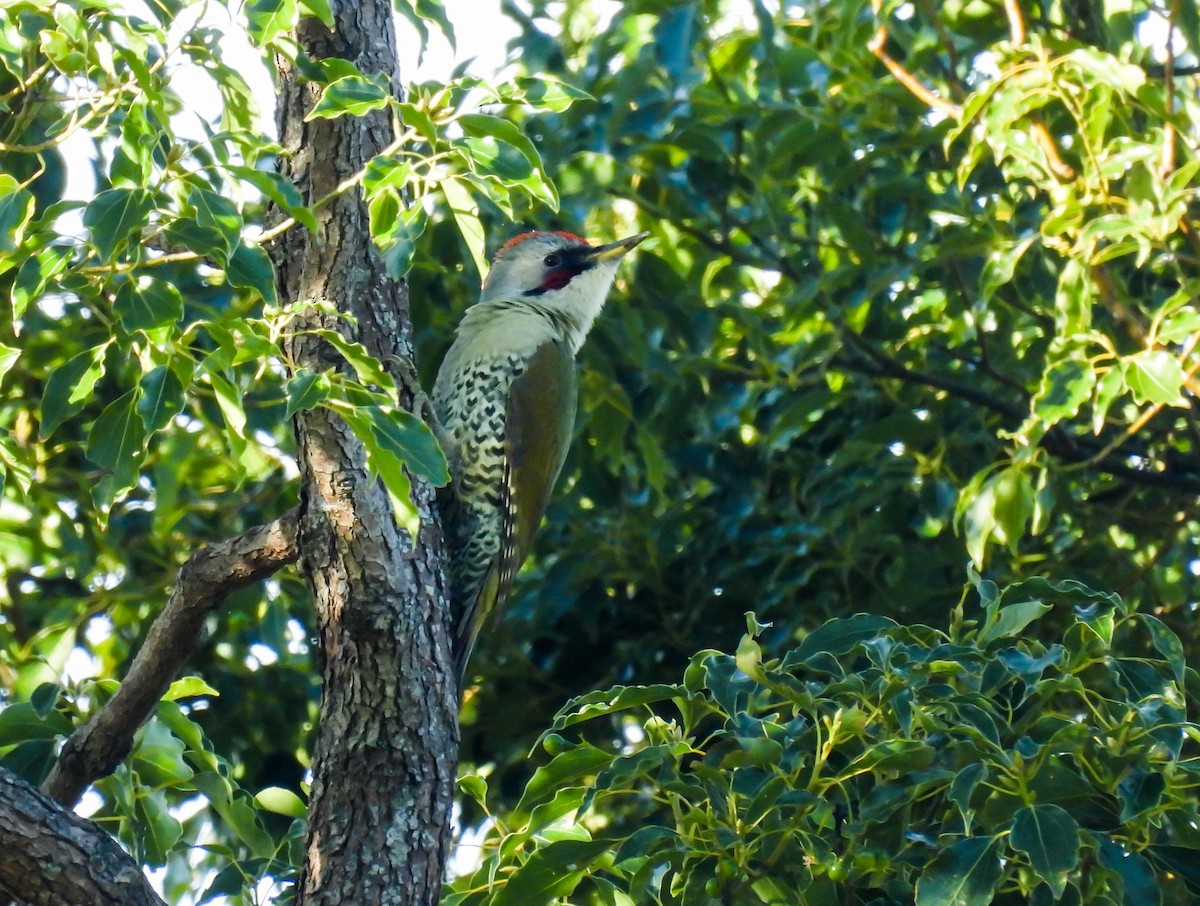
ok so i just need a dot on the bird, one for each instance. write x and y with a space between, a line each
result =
505 399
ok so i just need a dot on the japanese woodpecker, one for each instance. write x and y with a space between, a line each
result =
505 397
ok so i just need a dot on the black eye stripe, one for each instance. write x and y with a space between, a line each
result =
552 260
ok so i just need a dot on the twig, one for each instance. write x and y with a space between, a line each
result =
1168 151
1062 170
906 78
205 580
1056 441
1016 22
1142 420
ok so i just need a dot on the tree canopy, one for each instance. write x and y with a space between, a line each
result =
915 337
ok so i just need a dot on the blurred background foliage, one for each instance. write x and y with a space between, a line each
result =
920 294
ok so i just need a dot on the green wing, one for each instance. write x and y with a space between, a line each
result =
538 427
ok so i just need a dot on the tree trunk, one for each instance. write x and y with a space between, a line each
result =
385 759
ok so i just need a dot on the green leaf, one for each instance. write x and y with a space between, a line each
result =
1140 791
306 391
466 217
8 355
352 95
396 230
220 215
565 769
1137 877
1107 69
1011 619
158 756
1012 504
609 701
16 210
366 367
267 19
963 874
474 786
70 386
156 829
418 12
1168 645
35 274
115 213
839 636
1049 837
409 439
143 303
1073 300
250 268
281 801
161 398
1108 388
385 173
497 147
275 187
894 755
1064 388
45 698
189 687
545 93
1155 376
552 871
20 721
115 443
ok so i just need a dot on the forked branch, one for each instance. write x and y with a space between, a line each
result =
209 576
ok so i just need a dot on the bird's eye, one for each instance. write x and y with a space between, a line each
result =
552 261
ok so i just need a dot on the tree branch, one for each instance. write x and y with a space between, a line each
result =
52 857
1056 441
204 581
878 46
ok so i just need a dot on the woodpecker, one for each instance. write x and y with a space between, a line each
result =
505 398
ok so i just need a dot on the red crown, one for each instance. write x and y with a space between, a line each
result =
517 240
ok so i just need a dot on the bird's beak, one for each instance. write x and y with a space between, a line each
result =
615 249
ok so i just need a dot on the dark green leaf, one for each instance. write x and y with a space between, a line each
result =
552 871
143 303
161 398
963 874
35 275
305 391
21 721
1049 837
410 440
250 268
115 213
115 443
16 210
1140 885
70 386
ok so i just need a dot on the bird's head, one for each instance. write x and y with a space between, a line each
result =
558 273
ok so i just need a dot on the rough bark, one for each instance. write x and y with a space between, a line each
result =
210 575
50 856
385 759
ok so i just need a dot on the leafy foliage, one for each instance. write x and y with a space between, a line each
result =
921 291
876 763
